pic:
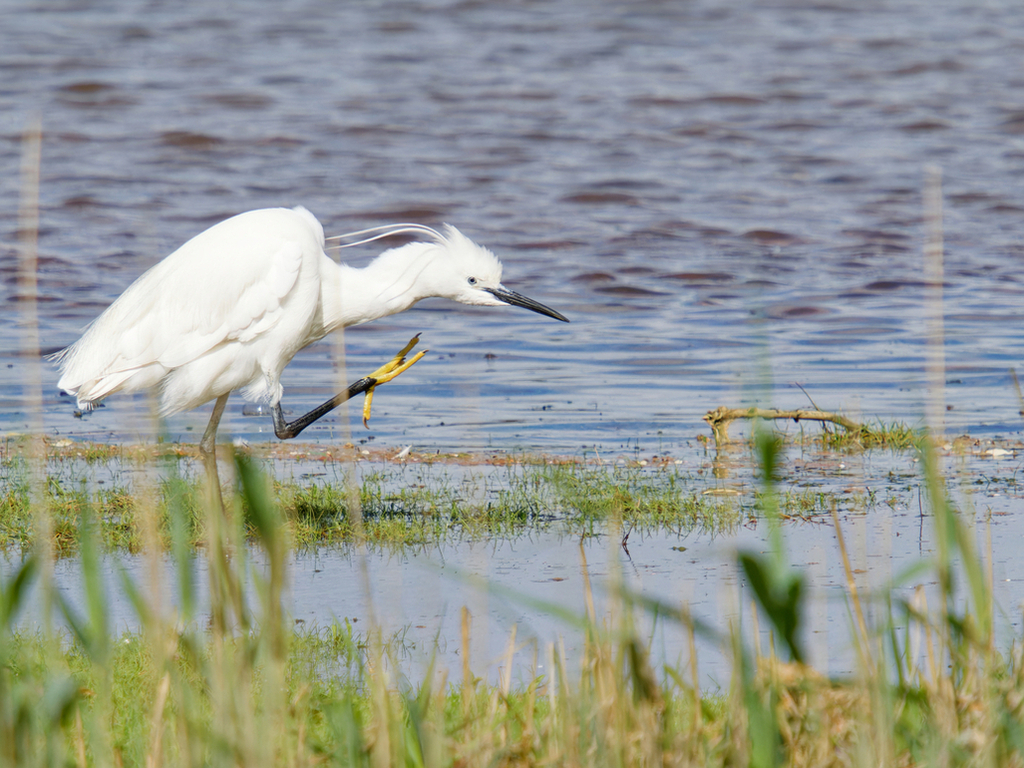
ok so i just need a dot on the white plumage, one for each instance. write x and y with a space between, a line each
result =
230 308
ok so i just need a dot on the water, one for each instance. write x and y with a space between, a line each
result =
725 198
715 195
530 582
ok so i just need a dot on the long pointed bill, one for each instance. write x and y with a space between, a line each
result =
518 300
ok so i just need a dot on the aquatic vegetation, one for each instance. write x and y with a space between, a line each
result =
387 504
239 684
895 436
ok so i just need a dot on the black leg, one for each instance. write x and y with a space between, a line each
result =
286 430
398 364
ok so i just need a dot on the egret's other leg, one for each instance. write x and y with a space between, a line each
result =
208 450
209 441
398 364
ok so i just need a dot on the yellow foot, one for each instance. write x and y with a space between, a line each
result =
390 370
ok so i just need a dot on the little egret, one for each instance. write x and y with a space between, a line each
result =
230 308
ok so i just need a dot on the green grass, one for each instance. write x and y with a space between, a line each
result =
894 436
438 499
335 708
394 506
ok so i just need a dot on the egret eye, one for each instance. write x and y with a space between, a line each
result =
472 281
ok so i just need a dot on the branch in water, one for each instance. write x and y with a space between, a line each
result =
719 419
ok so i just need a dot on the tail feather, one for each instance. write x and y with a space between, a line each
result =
91 390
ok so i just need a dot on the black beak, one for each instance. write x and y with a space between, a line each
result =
518 300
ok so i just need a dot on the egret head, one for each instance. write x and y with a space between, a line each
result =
472 275
445 265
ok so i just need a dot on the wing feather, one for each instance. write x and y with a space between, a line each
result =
227 283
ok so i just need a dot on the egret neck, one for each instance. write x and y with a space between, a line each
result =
389 284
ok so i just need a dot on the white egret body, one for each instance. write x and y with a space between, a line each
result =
230 308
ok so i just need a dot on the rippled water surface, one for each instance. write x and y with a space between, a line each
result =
718 195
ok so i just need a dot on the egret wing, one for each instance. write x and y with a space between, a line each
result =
226 284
